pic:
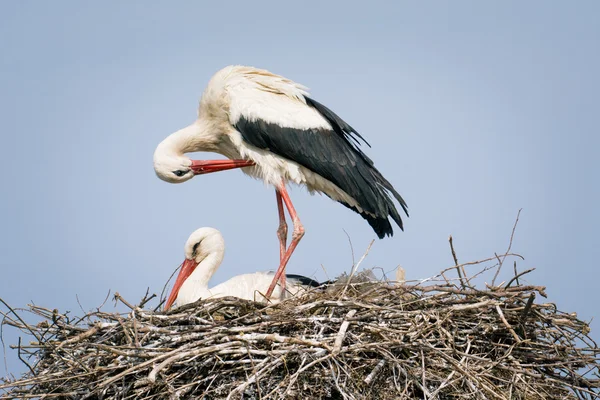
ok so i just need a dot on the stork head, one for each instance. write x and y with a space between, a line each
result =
175 168
201 244
170 163
172 168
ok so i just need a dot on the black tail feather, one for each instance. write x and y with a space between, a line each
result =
380 187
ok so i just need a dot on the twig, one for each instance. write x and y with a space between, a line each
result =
516 277
164 289
370 377
104 302
527 307
507 325
351 247
512 235
423 384
118 297
90 332
337 345
79 303
127 336
355 267
2 342
497 270
23 360
146 299
21 320
457 265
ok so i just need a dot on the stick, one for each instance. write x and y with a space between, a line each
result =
516 277
497 270
457 266
507 325
23 360
351 247
162 298
146 299
118 297
512 235
21 319
77 338
527 307
370 377
337 345
355 267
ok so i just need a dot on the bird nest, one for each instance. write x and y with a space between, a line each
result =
355 339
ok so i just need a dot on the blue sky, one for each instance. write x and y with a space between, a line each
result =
474 111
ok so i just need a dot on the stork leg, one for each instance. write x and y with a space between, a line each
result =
282 232
296 236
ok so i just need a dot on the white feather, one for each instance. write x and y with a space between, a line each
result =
250 287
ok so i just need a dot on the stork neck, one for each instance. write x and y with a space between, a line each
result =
204 271
194 137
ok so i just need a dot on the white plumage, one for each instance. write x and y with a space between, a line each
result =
204 251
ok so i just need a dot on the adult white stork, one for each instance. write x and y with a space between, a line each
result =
270 127
204 251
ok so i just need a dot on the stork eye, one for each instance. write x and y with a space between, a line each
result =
195 249
180 172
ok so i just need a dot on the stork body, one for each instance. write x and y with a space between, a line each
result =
204 251
268 126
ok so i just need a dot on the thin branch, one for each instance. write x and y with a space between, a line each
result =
23 360
457 265
351 246
355 267
339 339
162 297
516 277
117 297
25 325
512 235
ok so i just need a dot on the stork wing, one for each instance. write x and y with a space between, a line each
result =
285 121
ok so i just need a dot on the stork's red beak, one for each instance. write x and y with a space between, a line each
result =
200 167
187 268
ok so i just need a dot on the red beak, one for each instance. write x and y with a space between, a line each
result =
187 268
200 167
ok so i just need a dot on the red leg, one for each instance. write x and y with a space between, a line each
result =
296 236
282 232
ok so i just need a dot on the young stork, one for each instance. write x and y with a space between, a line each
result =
270 127
204 251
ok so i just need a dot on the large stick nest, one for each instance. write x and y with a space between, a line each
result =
357 340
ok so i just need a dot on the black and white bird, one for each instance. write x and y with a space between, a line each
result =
270 127
204 251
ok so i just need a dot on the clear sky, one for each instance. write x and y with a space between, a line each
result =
474 110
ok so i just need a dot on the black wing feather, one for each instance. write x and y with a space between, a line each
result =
304 280
339 125
334 155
